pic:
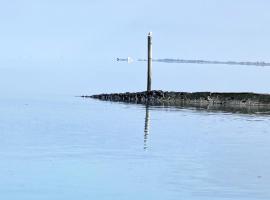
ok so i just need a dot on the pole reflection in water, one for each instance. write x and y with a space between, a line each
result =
146 126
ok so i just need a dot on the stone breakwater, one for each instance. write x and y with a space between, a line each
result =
158 97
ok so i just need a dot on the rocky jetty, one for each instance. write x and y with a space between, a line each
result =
158 97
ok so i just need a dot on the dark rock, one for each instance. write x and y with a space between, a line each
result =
156 97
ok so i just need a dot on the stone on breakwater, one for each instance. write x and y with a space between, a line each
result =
158 97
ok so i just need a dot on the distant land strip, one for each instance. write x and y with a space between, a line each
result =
171 60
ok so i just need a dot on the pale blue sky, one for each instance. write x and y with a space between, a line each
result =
69 47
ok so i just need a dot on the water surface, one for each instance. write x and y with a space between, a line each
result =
63 147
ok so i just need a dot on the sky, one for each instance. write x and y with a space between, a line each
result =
58 47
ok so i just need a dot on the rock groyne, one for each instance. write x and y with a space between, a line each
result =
158 97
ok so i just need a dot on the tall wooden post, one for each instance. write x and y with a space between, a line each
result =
149 62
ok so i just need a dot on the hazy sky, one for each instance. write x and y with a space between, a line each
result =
69 47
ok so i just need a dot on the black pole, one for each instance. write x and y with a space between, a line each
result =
149 63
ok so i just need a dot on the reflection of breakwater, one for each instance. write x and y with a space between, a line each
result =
171 60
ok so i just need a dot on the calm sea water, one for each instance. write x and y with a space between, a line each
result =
65 147
55 146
